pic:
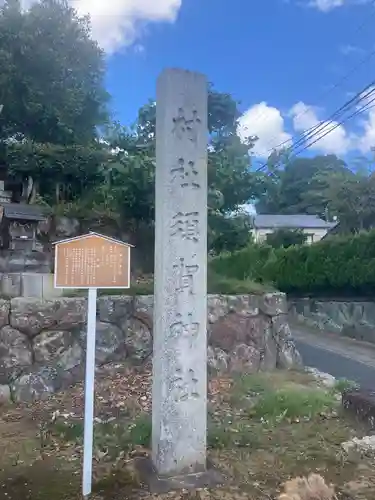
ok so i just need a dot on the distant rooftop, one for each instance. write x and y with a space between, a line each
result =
303 221
20 211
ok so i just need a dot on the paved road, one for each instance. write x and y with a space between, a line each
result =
339 357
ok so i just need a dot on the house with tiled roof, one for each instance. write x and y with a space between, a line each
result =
313 226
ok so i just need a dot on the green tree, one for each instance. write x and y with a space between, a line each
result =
352 200
299 185
52 74
229 178
58 174
227 233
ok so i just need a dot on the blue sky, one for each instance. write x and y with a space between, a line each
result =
278 57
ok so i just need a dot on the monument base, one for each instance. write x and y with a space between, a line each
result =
163 484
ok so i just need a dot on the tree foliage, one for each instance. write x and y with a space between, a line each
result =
52 74
299 185
230 180
322 185
352 200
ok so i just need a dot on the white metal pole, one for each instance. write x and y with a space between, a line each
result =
89 393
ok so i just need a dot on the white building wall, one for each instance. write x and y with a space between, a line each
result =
313 235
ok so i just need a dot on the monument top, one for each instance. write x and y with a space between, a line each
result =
194 74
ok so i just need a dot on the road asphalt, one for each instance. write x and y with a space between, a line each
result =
342 358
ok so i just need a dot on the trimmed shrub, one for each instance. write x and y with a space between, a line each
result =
244 264
337 266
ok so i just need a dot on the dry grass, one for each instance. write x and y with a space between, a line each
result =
272 435
312 487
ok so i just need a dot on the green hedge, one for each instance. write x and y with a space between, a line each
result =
247 263
337 266
216 284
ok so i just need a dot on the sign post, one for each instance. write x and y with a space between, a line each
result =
89 393
90 262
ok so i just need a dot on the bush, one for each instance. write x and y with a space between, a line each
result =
338 266
218 284
245 264
335 267
285 238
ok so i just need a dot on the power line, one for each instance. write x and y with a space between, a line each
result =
307 109
367 107
313 131
343 79
317 129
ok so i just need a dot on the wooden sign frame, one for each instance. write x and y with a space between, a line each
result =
78 244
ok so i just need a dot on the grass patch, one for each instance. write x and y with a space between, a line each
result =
292 404
344 385
110 438
218 284
118 436
231 434
246 387
116 481
68 431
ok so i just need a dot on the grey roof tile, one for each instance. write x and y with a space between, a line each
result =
20 211
298 221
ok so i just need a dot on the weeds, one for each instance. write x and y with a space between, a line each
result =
247 386
110 438
277 405
69 431
226 435
344 385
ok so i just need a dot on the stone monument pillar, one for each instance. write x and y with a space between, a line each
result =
179 398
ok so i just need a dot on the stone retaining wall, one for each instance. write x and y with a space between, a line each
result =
42 342
355 319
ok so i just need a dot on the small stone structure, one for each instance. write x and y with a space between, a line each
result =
42 341
25 268
18 227
355 319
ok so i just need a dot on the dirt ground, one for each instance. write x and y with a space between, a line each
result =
263 430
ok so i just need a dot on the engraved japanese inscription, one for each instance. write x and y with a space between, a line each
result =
185 328
183 126
186 173
184 384
186 225
180 333
185 276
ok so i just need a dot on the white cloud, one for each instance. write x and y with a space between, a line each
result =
329 5
337 141
117 23
266 123
348 50
366 140
329 137
326 5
